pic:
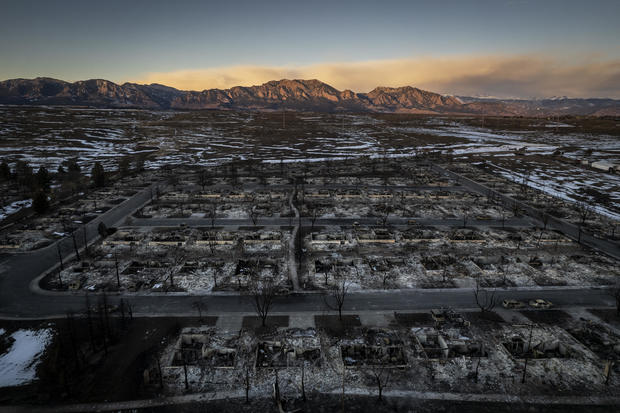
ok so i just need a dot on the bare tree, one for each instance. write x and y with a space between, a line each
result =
337 292
246 381
527 352
478 363
216 272
314 214
204 180
381 376
584 209
253 213
212 240
200 307
212 212
485 300
615 293
263 296
545 217
385 274
178 257
387 209
62 267
118 278
303 380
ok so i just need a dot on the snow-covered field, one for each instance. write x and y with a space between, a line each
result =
48 135
19 364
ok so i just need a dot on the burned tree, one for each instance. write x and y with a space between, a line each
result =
178 257
337 294
615 293
204 180
211 213
484 300
212 240
253 213
584 209
527 351
263 295
314 212
385 214
381 376
199 306
545 217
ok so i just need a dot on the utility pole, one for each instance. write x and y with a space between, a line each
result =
85 240
118 280
75 247
529 348
59 255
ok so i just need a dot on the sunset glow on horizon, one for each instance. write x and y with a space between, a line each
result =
511 48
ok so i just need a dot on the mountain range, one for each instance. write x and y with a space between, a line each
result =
300 95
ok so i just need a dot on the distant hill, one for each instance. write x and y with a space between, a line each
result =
301 95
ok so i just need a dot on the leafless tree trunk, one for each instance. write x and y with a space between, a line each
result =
529 349
89 321
545 219
584 209
118 279
303 380
484 300
263 296
381 376
75 247
213 213
253 214
616 294
338 292
161 378
212 240
246 382
387 209
199 306
60 259
185 369
178 257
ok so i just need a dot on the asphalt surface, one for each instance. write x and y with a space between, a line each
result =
278 221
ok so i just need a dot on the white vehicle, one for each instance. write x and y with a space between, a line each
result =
540 303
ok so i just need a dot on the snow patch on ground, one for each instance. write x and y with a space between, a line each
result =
12 208
18 365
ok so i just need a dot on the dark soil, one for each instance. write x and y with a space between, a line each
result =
333 325
609 316
414 319
553 317
255 322
480 317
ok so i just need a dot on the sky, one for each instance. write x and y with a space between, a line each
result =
504 48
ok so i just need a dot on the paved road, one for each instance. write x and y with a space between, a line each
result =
269 221
18 271
35 306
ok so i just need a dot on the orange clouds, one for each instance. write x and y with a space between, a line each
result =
504 76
